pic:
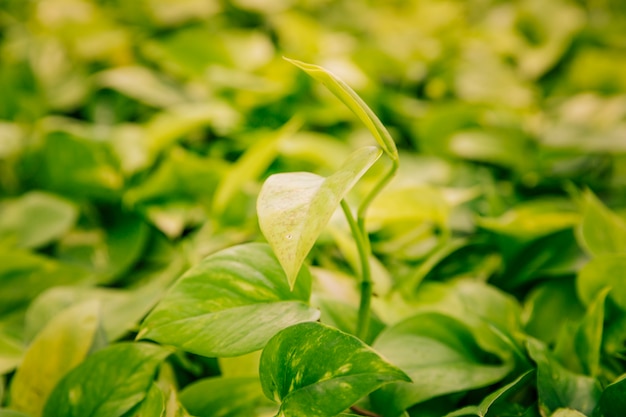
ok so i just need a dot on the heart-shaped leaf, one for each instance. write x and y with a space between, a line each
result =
232 303
317 371
108 383
295 207
440 355
60 346
355 103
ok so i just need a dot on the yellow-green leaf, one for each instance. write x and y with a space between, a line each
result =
355 103
59 347
295 207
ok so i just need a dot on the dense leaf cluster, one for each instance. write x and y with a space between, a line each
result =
136 138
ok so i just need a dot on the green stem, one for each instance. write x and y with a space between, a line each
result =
362 245
364 248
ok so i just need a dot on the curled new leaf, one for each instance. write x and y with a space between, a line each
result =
355 103
295 207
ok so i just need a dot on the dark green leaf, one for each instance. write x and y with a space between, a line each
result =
612 402
558 387
318 371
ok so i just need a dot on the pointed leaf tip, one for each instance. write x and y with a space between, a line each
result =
354 102
293 208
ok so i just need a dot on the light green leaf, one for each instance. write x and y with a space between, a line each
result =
152 405
558 387
252 164
441 356
36 219
295 207
612 402
317 371
603 271
11 413
122 309
225 397
142 84
352 100
108 383
238 366
533 219
601 231
232 303
59 347
567 412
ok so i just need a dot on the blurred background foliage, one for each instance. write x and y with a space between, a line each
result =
134 136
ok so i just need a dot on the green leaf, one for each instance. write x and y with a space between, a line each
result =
295 207
319 371
122 309
344 317
612 402
25 275
601 231
59 347
76 166
225 397
108 383
156 404
603 271
495 398
11 413
11 351
355 103
441 356
36 219
548 307
579 345
110 250
558 387
533 219
232 303
152 405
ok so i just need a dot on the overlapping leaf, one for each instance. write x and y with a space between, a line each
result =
232 303
319 371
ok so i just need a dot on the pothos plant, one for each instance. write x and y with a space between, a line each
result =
256 295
